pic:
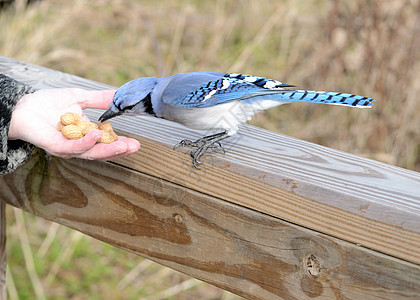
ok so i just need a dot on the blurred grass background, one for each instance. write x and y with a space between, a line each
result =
369 48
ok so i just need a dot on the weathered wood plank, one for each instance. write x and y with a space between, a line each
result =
355 199
3 293
249 253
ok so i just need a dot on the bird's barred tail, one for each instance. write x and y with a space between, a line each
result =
327 98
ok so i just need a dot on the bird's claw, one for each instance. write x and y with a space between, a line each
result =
216 147
202 145
183 143
198 144
189 144
196 162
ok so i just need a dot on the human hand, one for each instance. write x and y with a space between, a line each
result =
36 115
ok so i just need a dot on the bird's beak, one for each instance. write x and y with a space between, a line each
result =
108 115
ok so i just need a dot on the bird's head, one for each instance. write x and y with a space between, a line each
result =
131 98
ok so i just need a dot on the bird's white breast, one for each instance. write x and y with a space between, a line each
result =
225 116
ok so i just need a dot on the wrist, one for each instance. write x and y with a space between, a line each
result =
15 122
11 91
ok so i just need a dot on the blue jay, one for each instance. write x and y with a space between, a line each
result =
213 101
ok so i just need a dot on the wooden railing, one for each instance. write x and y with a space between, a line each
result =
273 218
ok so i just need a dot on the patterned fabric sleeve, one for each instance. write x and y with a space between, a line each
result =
13 153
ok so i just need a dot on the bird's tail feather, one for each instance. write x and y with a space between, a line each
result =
321 97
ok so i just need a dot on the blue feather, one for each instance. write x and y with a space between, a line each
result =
233 87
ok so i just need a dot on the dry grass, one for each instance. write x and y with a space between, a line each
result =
364 47
50 261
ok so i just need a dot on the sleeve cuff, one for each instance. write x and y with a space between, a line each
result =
16 152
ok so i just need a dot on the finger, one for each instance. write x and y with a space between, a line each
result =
85 143
133 144
95 99
105 151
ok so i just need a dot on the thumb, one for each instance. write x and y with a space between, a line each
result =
85 143
95 99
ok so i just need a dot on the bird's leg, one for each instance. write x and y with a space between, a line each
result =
200 142
208 142
216 147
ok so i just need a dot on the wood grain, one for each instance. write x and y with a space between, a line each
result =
249 253
355 199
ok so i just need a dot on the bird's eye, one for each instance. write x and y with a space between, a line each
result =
129 107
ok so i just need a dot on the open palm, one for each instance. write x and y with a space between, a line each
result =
36 115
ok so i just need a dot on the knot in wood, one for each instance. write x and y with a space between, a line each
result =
312 265
178 218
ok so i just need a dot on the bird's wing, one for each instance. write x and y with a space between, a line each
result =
230 87
179 86
221 89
